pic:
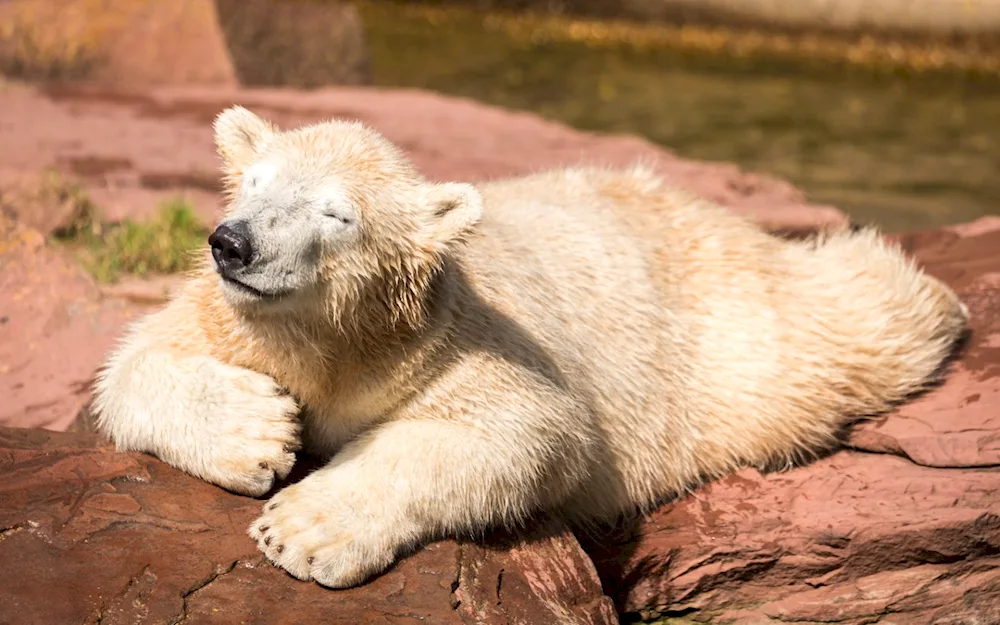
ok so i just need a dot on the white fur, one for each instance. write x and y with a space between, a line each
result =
228 425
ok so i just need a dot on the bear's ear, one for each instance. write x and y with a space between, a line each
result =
238 135
454 210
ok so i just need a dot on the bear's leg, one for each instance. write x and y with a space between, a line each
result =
409 481
161 392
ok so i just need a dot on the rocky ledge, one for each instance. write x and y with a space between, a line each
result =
901 527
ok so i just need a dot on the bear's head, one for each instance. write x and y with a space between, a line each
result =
330 219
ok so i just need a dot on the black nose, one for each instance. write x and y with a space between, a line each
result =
232 248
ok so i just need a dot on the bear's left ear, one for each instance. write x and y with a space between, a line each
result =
455 209
238 136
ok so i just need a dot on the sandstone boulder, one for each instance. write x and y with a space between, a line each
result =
299 43
95 536
295 43
54 328
133 42
129 147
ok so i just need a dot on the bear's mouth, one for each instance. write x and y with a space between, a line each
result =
243 287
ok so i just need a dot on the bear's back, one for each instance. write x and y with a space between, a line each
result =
645 298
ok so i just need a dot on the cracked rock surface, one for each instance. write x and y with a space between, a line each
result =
88 535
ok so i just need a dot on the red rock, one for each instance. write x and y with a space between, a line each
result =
153 290
129 42
54 330
903 530
957 425
132 149
295 44
100 536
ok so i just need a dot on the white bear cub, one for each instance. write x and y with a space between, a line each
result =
582 342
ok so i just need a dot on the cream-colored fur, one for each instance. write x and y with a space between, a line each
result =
584 342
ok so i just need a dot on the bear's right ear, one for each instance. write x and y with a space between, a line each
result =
455 209
238 136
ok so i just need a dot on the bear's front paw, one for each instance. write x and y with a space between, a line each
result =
254 430
319 531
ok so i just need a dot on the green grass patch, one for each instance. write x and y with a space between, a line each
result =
166 243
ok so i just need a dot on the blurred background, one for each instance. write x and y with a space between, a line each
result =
889 110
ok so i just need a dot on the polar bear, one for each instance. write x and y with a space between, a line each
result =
581 342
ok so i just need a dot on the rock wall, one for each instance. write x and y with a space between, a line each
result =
137 43
295 43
